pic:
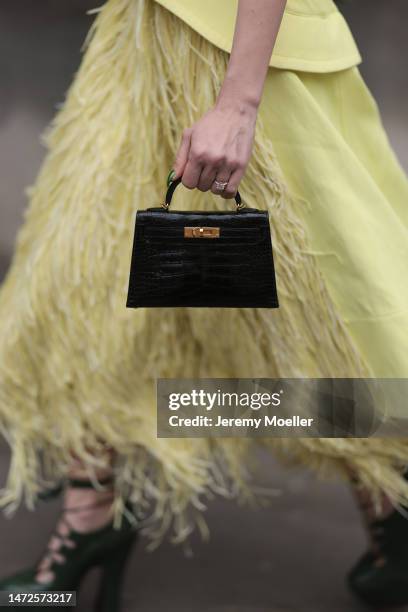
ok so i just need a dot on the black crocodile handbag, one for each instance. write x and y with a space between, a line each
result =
200 258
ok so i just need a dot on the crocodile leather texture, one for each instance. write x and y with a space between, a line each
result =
223 259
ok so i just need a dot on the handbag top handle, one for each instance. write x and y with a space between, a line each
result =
173 185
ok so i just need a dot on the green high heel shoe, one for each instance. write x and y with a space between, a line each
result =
380 577
106 547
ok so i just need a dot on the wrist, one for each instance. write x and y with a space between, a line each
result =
233 96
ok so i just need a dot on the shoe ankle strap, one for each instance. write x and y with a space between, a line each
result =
85 483
76 483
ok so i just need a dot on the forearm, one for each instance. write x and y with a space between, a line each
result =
257 26
215 151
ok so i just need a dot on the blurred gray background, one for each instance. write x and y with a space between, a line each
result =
293 555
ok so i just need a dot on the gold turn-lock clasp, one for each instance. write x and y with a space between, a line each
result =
201 232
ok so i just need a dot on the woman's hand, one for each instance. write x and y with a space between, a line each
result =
219 145
217 148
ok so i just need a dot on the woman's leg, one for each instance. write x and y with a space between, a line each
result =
85 537
380 576
84 509
371 511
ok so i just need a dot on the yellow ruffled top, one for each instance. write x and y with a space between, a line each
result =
313 37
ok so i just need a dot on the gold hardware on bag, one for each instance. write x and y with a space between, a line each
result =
201 232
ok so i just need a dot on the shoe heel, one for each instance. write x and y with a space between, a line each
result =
113 571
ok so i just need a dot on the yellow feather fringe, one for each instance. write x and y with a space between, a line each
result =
77 369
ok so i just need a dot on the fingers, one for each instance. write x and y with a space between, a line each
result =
222 177
191 174
232 179
200 165
207 178
188 165
183 153
231 189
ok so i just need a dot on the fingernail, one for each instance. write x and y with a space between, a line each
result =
170 177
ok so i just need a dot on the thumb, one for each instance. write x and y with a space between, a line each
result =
182 153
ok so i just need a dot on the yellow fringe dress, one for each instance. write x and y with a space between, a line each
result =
78 369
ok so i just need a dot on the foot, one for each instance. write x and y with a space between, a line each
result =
84 537
84 510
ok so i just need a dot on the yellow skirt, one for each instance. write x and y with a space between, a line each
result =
78 369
